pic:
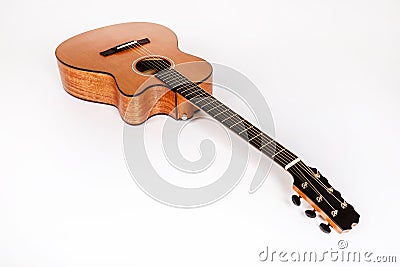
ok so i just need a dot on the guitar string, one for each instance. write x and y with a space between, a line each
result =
255 132
159 65
307 169
298 171
162 65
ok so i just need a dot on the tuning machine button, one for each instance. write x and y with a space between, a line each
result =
310 213
296 200
325 228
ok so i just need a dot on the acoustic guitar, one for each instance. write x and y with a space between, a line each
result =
138 68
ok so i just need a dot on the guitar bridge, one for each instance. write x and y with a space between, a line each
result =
124 46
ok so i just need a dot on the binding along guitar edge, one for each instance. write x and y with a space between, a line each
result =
138 68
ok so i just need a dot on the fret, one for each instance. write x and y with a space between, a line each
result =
195 94
236 123
245 130
215 107
255 137
229 117
186 90
224 115
280 161
222 112
278 152
279 147
199 94
205 98
266 144
161 74
180 85
257 140
191 93
170 79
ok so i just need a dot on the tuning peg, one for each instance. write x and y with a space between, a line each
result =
325 228
296 200
310 213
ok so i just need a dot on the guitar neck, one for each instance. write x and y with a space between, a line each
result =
229 118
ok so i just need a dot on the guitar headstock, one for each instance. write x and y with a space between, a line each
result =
327 201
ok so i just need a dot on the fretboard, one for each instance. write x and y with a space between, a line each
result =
229 118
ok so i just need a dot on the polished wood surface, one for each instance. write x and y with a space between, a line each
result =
111 80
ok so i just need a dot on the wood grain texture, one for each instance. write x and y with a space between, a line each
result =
87 75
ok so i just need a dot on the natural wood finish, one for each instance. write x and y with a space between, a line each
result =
87 75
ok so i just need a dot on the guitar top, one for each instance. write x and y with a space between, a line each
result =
139 68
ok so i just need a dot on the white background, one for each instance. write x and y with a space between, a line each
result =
328 69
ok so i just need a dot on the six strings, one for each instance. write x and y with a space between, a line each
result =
282 155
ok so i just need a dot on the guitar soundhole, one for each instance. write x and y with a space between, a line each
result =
152 65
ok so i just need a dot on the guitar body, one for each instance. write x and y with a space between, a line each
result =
122 79
138 68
